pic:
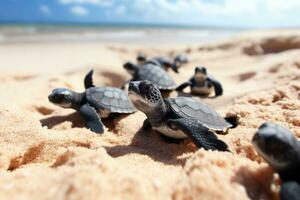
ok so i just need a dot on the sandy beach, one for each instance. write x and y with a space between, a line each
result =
47 153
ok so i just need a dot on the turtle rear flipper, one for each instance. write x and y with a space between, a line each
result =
290 191
217 85
199 134
88 80
91 118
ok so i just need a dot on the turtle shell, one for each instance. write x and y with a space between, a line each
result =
156 75
185 107
109 98
153 62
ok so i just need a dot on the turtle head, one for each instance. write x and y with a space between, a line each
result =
277 145
62 97
141 58
200 73
145 95
131 68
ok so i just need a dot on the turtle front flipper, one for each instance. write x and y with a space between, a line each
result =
174 67
199 134
147 125
91 118
290 191
88 80
217 86
184 85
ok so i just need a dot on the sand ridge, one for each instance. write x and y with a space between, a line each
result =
47 153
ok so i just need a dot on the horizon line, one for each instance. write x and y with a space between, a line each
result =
136 24
122 24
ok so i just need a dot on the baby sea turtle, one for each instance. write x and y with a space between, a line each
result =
164 62
202 83
152 73
94 103
281 149
181 59
179 117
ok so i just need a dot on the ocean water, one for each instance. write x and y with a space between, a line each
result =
41 33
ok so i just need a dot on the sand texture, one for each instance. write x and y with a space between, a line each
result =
47 153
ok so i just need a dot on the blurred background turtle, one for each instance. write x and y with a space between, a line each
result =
164 62
202 83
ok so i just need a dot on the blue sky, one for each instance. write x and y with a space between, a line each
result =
245 13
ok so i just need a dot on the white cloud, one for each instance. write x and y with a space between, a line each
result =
79 11
194 11
45 9
220 11
227 6
197 7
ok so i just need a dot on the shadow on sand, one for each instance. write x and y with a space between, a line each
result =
53 121
77 121
153 144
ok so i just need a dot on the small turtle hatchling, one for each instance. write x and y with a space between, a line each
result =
202 83
152 73
165 63
94 103
180 60
281 149
179 117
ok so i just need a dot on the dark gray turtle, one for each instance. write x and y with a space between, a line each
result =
179 117
151 73
163 62
202 83
181 59
281 149
94 103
